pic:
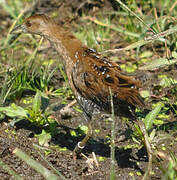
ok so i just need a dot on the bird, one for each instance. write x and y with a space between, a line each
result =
93 77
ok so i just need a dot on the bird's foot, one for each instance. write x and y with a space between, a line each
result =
92 162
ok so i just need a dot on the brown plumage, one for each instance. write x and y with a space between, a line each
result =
91 75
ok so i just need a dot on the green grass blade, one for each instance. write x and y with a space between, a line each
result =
35 165
9 170
112 169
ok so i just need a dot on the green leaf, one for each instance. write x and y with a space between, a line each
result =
37 102
146 54
14 111
174 54
83 128
150 117
44 137
166 81
145 93
73 133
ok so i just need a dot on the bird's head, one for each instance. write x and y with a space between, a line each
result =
35 24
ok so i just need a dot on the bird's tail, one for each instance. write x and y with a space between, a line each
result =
131 95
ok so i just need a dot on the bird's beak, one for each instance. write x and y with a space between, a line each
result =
18 29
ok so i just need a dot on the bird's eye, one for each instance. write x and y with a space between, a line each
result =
28 23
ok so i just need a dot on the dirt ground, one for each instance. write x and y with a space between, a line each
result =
131 162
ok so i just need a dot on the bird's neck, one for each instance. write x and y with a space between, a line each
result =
66 44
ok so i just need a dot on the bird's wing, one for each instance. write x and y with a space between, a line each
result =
95 76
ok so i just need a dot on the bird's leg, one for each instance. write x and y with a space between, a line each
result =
81 144
148 148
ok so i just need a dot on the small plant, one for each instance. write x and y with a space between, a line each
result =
148 122
38 114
